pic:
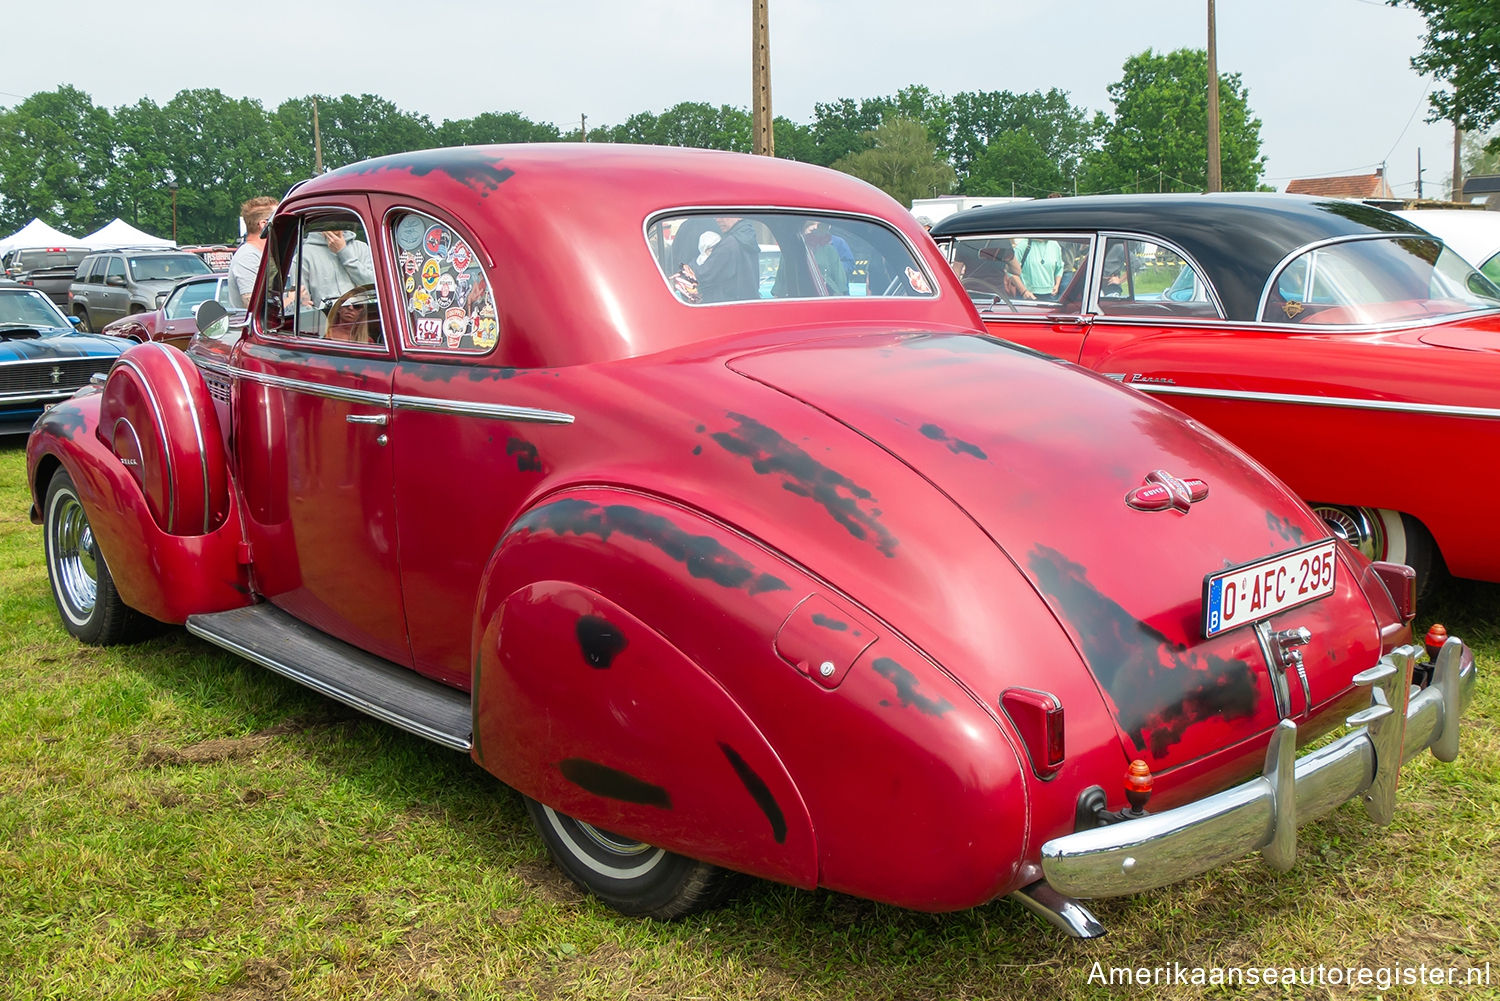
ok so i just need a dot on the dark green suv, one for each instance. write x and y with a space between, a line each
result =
115 283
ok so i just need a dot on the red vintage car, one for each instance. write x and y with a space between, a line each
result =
173 321
683 491
1318 335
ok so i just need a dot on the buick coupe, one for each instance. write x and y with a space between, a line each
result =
824 586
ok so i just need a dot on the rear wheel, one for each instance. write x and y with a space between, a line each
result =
82 587
631 876
1382 534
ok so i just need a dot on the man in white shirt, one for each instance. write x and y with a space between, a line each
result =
245 264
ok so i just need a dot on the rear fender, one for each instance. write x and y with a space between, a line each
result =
647 669
158 419
167 577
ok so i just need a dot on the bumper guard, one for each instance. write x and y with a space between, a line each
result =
1263 813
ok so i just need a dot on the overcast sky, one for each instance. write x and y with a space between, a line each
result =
1330 80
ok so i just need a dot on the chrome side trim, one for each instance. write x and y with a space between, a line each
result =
332 691
313 388
197 432
1262 814
1349 402
463 408
166 452
434 405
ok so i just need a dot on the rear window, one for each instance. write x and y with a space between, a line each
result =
167 267
738 256
35 260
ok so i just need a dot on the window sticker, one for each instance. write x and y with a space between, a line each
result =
448 297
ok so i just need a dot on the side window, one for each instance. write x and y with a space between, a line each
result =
449 304
115 268
1023 274
320 279
85 268
1140 278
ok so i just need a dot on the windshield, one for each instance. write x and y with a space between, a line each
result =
186 300
1376 281
28 308
735 256
167 267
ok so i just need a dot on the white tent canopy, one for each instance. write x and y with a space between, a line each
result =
38 234
121 234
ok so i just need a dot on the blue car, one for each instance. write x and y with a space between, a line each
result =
43 357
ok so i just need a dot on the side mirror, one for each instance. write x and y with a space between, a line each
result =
74 320
161 299
212 320
118 281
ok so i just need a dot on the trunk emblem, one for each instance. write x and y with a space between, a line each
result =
1162 490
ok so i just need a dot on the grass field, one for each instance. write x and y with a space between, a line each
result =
178 824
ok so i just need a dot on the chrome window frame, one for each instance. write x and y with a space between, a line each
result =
256 321
1105 235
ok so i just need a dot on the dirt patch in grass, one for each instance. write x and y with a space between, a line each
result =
546 883
228 748
262 980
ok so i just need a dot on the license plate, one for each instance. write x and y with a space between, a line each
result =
1247 593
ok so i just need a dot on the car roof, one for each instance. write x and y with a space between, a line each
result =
1238 238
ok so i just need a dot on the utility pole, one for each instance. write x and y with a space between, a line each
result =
763 142
1419 173
1458 169
1215 181
317 142
583 127
173 188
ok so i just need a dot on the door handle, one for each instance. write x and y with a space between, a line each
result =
380 419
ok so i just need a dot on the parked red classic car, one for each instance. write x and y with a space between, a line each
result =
1318 335
601 464
173 321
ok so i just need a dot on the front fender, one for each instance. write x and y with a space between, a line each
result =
165 576
651 671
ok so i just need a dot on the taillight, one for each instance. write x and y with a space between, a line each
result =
1400 583
1038 718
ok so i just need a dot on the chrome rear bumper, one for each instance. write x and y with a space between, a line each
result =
1263 813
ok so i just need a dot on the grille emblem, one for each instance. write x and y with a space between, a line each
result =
1162 490
57 374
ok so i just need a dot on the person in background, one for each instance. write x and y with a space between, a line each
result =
732 271
245 264
1041 266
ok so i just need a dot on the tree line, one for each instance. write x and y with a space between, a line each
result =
76 165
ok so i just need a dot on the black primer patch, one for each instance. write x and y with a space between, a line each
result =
600 641
525 453
827 622
1159 688
697 449
611 783
468 165
759 791
955 445
845 501
705 557
1284 528
64 420
906 687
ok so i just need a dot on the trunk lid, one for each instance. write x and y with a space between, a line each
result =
1041 456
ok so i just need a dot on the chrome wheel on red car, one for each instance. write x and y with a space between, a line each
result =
82 587
1380 534
631 876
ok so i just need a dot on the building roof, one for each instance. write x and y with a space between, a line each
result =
1348 186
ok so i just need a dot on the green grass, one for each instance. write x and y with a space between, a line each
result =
178 824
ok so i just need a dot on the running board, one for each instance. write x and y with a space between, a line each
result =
397 695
